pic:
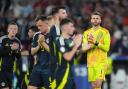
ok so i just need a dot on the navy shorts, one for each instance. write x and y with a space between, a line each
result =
6 79
40 77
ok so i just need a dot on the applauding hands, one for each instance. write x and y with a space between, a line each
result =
77 40
91 39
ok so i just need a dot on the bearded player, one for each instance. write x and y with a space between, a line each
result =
96 42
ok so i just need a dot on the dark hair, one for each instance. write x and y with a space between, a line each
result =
56 9
33 28
41 17
65 21
97 13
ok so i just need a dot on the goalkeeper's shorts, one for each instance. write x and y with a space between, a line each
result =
95 73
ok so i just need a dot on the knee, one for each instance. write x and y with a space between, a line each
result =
97 84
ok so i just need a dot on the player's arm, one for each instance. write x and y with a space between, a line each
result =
4 50
85 45
106 44
35 46
45 45
34 50
69 55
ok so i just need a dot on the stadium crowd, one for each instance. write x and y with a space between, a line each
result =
115 17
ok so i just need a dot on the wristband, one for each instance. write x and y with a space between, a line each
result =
96 43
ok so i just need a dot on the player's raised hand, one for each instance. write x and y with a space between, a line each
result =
41 39
78 40
91 39
88 46
15 46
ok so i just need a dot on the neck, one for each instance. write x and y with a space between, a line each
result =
65 35
95 27
56 20
10 37
48 31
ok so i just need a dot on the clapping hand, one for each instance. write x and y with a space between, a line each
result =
15 46
41 39
91 38
78 40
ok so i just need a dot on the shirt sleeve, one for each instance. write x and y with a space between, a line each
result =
84 40
34 41
106 44
4 49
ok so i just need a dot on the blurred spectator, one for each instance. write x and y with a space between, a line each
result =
3 26
24 12
4 6
121 47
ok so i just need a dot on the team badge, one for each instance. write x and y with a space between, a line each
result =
62 49
3 84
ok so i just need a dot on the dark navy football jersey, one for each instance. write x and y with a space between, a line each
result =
42 54
8 55
63 46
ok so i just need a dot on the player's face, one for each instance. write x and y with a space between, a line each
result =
30 33
12 30
70 29
62 13
42 26
95 20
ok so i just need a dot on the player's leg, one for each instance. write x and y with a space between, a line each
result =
97 84
9 79
35 79
99 77
46 78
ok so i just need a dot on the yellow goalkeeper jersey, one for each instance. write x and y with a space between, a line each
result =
98 54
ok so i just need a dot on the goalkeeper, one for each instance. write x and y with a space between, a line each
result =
96 42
